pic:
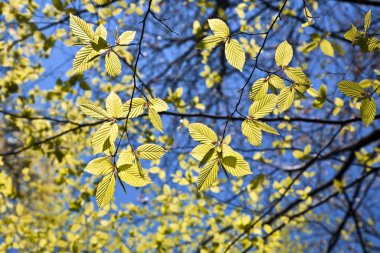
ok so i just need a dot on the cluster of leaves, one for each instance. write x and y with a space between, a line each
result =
359 94
95 45
128 167
264 103
365 41
213 154
234 52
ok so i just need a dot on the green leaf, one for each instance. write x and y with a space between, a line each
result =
263 107
150 151
210 155
352 34
351 89
155 119
81 29
252 132
208 174
235 54
126 157
99 166
235 164
100 2
284 54
126 38
113 65
219 28
368 110
201 150
108 131
367 20
137 108
297 75
285 99
259 89
105 190
209 42
327 48
132 176
276 81
84 59
114 105
94 111
101 31
202 133
267 128
158 105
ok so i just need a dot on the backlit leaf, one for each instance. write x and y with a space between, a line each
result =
284 54
113 65
235 54
155 119
351 89
105 190
114 105
263 107
259 89
327 48
252 132
201 150
150 151
367 110
285 99
158 105
81 29
84 59
367 20
137 108
219 28
126 37
202 133
208 174
131 175
210 42
94 111
99 166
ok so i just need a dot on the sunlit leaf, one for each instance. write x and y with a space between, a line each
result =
219 28
201 150
208 174
113 65
155 119
81 29
351 89
99 166
105 190
263 107
84 59
150 151
158 105
94 111
285 99
252 132
202 133
114 105
367 20
137 108
259 89
126 37
235 54
284 54
327 48
210 42
367 110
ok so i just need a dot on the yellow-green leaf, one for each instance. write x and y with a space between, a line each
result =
208 174
155 119
368 110
259 89
202 133
113 65
132 176
158 105
99 166
81 29
94 111
267 128
327 48
284 54
150 151
137 108
126 37
236 165
100 137
101 31
209 42
352 34
235 54
201 150
297 75
367 20
114 105
219 28
285 99
84 59
252 132
105 190
351 89
263 107
100 2
126 157
276 81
